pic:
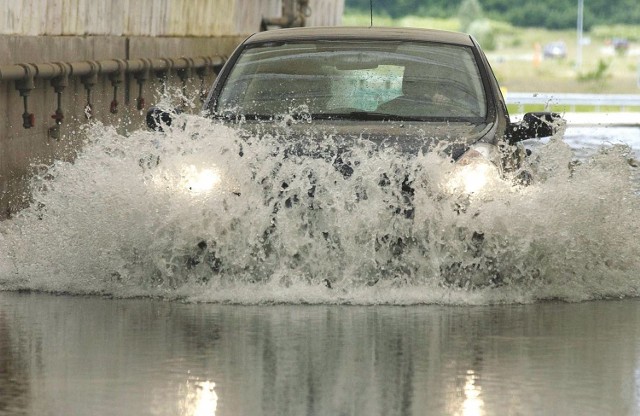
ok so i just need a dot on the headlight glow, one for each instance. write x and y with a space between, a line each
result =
475 170
200 180
473 177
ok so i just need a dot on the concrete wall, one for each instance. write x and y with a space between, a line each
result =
150 17
38 31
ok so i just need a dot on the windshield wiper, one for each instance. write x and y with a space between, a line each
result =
365 116
241 117
374 115
352 115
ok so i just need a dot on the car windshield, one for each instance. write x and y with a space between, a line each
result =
357 80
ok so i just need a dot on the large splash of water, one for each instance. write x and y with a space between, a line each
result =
200 214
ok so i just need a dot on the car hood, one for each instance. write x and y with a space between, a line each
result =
452 138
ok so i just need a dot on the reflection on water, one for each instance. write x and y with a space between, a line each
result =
86 355
14 388
201 399
472 405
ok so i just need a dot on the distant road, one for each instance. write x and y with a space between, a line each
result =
572 99
624 117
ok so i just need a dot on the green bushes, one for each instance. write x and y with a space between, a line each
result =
630 32
552 14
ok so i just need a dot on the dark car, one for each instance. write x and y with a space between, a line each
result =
413 90
416 87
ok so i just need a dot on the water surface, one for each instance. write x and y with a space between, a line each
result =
326 318
93 356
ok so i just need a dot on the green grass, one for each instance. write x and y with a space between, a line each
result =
514 58
364 19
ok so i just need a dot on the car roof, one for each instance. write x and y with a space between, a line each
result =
366 33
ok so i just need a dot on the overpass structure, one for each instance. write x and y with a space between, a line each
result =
64 61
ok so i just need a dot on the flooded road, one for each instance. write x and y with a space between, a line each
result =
63 355
200 214
323 320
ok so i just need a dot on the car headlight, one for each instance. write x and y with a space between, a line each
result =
476 170
193 176
200 180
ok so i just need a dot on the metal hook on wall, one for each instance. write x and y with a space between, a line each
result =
184 74
88 71
202 73
59 83
116 79
89 81
163 73
141 77
25 85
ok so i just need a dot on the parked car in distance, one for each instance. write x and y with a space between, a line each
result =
555 50
620 45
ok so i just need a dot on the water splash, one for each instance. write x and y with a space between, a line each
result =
200 214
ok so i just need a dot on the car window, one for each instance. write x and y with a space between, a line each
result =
365 89
330 79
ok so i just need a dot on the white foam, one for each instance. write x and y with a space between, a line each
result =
121 220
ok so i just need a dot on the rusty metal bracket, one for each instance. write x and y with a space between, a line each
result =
59 73
162 73
141 77
202 73
116 78
59 83
25 85
89 80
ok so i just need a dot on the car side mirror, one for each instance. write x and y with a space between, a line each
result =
157 118
534 126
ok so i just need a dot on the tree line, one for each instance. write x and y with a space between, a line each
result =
552 14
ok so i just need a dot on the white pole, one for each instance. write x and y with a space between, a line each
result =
580 27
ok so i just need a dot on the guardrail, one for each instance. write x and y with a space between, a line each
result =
549 100
117 70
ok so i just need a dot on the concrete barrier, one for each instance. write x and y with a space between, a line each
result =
33 31
46 140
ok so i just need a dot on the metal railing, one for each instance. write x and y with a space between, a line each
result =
58 73
549 100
